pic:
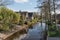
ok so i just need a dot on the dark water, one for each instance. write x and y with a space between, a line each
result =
32 34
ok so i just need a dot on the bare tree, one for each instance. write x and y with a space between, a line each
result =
45 15
55 13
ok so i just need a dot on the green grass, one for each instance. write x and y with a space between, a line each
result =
51 34
54 33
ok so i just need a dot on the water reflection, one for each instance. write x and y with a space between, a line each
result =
32 34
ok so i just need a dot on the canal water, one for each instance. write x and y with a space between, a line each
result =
34 33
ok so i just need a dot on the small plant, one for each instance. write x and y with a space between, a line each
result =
22 22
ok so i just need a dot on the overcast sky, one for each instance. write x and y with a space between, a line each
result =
24 5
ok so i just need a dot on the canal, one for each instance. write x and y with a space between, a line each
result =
34 33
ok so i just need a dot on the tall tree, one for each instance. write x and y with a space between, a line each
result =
55 13
49 9
45 13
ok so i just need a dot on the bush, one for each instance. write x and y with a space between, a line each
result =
48 23
29 23
22 22
7 17
16 18
52 28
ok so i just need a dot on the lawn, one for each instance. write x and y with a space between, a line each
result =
52 32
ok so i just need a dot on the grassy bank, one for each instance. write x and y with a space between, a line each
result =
53 32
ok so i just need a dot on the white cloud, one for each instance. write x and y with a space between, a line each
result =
21 1
57 11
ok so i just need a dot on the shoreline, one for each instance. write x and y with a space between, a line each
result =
19 29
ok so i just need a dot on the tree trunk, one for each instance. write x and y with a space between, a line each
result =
41 18
55 15
49 12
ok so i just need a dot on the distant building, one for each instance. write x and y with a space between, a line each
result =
30 15
57 17
26 15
